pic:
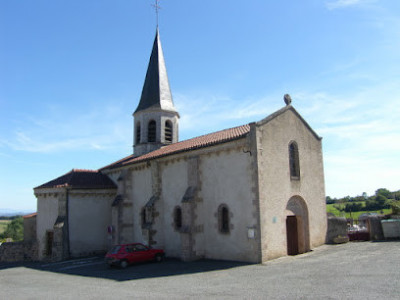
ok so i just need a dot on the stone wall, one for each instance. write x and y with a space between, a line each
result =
30 228
278 188
375 228
337 227
18 251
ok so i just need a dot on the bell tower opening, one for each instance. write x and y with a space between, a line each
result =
168 132
151 131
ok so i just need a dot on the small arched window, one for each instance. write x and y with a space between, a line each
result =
137 133
223 219
146 214
143 216
294 163
168 131
151 132
178 218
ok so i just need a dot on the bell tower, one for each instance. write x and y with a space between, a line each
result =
155 119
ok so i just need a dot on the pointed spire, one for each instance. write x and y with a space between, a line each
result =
156 92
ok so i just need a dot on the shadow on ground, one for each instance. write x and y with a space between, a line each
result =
98 269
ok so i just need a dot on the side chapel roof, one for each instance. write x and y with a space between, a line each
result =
156 92
30 215
84 179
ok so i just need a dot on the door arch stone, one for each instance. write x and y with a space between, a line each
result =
297 226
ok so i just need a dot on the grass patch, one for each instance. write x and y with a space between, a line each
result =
331 208
3 225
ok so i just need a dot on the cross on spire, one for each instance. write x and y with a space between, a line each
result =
157 7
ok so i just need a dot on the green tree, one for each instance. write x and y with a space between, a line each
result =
381 200
329 200
14 230
396 195
395 207
384 192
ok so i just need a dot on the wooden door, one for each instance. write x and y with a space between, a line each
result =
49 243
292 235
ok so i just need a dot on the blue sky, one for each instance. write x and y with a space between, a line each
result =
71 74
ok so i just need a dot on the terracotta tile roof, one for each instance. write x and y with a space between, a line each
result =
78 178
30 216
187 145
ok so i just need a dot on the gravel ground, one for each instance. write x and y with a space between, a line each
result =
363 270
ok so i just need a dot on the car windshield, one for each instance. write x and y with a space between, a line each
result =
115 249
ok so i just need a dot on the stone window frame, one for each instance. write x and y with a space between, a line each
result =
294 161
224 219
178 218
152 131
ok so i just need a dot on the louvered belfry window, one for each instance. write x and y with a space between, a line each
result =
138 133
168 132
151 133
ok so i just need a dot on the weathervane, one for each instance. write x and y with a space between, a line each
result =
157 7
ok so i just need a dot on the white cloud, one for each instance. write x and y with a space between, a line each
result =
102 129
360 129
202 113
361 134
345 3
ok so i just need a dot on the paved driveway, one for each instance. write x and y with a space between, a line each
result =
363 270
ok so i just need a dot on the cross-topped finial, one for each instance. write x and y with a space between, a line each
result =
157 7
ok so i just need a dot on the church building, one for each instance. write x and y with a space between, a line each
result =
249 193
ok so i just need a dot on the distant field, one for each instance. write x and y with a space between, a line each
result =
330 208
3 225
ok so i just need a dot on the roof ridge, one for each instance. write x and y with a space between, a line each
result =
83 171
80 178
206 140
206 134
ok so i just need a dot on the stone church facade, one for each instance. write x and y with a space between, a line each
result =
250 193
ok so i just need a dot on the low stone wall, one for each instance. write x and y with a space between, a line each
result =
337 228
374 226
18 251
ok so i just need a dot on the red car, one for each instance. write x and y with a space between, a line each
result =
123 255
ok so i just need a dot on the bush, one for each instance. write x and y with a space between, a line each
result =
395 207
14 230
353 207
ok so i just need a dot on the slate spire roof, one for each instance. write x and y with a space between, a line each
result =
156 92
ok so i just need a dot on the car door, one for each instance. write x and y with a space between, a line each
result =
143 252
130 253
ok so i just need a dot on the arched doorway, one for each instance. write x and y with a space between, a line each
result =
297 228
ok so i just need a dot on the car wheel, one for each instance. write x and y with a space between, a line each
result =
123 264
158 258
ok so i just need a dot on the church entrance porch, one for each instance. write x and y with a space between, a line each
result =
297 227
